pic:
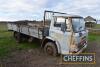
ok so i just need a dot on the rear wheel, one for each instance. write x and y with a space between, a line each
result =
17 37
50 49
30 39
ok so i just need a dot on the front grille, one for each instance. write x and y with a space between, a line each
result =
80 46
82 43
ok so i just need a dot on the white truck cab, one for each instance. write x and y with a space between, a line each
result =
69 32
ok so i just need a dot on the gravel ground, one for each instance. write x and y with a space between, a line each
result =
36 58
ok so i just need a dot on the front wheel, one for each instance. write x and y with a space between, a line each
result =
50 49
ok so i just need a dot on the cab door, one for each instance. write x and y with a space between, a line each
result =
61 36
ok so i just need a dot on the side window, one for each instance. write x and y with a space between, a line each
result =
59 21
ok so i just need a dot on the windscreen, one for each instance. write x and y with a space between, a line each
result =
78 24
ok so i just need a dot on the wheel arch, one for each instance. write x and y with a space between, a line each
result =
50 39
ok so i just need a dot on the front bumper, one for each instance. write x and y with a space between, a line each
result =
78 52
75 53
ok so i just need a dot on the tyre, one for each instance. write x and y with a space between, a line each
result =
50 49
17 37
30 39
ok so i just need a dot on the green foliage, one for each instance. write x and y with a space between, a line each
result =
97 26
93 37
8 43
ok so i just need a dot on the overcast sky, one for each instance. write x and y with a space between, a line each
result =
33 9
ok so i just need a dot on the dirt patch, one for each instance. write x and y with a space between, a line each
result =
36 58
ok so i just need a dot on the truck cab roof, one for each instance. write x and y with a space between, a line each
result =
67 15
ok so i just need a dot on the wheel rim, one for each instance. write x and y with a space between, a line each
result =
49 50
17 37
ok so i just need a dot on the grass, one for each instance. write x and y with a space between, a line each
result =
97 26
8 43
93 37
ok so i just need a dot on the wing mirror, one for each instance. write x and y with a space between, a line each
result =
63 27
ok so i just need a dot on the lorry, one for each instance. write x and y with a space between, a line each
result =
59 33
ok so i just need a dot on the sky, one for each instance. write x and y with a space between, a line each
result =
11 10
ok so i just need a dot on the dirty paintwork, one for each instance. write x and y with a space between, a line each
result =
66 39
